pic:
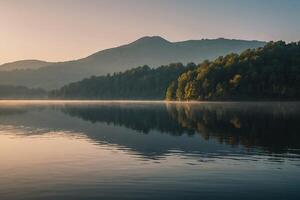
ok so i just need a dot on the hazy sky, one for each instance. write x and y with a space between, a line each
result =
57 30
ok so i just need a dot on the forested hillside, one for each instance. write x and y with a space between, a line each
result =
20 92
137 83
268 73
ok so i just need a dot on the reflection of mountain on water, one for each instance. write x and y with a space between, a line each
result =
271 126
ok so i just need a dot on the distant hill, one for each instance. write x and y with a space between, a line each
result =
21 92
24 64
153 51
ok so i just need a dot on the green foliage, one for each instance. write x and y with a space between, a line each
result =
171 91
270 72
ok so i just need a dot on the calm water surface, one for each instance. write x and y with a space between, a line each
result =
144 150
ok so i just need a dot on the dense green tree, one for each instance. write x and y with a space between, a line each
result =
270 72
171 91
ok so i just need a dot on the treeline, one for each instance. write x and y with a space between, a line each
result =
21 92
268 73
138 83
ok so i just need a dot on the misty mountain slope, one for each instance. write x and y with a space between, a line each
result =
24 64
153 51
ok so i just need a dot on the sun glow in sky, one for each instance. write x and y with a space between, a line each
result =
59 30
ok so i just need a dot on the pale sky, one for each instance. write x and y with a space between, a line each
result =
58 30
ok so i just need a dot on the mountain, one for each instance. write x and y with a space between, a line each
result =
153 51
23 65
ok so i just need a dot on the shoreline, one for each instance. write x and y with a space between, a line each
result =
47 101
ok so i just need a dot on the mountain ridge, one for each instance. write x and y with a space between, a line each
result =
151 50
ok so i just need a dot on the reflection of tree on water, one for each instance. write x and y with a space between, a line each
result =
142 118
272 126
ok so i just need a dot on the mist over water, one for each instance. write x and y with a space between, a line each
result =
149 150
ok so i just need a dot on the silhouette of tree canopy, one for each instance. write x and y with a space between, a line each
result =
138 83
269 72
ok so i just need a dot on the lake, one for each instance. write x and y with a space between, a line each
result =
149 150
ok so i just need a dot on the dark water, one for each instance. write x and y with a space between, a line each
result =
143 150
